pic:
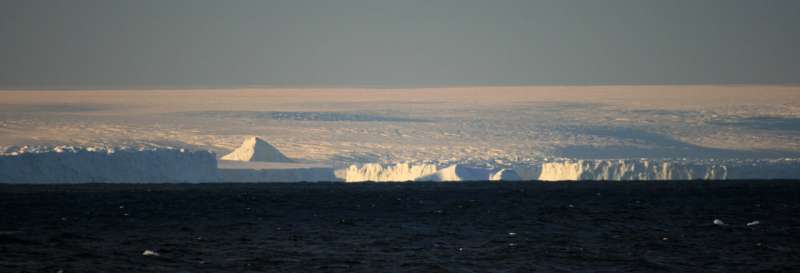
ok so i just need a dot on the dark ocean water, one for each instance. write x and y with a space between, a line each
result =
421 227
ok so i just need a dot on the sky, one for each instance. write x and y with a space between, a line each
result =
211 43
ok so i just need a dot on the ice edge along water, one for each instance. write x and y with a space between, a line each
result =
65 164
87 165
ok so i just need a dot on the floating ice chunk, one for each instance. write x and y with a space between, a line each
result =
148 252
719 222
753 223
380 173
458 172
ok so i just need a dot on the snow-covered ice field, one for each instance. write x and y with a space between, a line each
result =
488 127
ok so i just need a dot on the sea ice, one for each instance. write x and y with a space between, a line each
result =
148 252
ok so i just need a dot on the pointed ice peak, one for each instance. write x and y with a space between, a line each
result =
256 149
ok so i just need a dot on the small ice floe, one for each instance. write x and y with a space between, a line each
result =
719 222
148 252
753 223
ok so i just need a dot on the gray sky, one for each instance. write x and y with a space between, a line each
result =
147 43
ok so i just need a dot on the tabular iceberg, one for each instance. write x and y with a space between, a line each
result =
577 170
622 170
84 165
403 172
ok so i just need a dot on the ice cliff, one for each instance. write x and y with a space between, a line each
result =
81 165
400 172
574 170
459 172
621 170
424 172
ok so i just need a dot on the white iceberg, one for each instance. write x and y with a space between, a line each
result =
255 149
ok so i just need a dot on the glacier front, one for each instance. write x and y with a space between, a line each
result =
579 170
625 170
87 165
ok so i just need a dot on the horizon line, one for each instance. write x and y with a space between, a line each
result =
367 86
